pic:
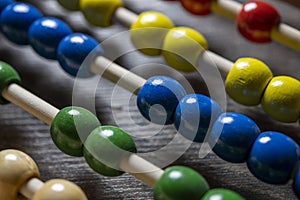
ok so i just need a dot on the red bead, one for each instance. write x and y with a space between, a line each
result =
256 20
197 7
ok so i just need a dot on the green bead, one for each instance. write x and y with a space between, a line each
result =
180 183
7 76
105 148
70 128
221 194
69 4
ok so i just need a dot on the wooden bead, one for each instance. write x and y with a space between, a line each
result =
99 12
149 31
182 47
69 4
281 100
247 81
16 168
58 189
197 7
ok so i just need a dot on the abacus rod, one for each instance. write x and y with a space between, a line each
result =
117 74
226 8
286 35
125 16
31 187
222 63
29 102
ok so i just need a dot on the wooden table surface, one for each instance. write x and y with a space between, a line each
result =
114 106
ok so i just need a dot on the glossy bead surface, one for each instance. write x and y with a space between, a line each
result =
180 183
105 148
194 114
4 3
70 128
182 47
281 99
247 81
15 21
232 136
296 183
16 168
58 189
221 194
45 34
99 13
197 7
73 50
7 76
148 32
69 4
256 20
273 157
158 98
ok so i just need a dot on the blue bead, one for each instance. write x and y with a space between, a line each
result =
158 99
273 157
4 3
232 136
73 50
194 114
296 183
15 21
45 34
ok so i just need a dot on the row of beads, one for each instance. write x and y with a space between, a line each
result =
77 132
249 82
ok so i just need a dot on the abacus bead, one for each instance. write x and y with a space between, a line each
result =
69 4
4 3
73 50
197 7
281 99
7 76
182 47
232 136
180 183
296 183
247 81
158 98
256 20
58 189
15 21
194 114
273 157
45 34
105 148
99 13
221 194
70 128
16 168
148 32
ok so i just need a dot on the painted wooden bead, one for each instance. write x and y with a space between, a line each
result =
194 114
45 34
148 32
70 128
247 81
232 136
16 168
296 183
197 7
73 50
281 99
105 148
15 21
178 183
7 76
69 4
58 189
221 194
182 47
158 98
273 157
256 21
99 12
4 3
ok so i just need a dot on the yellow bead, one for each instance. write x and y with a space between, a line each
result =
247 81
69 4
182 47
58 189
149 31
281 99
16 168
99 12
